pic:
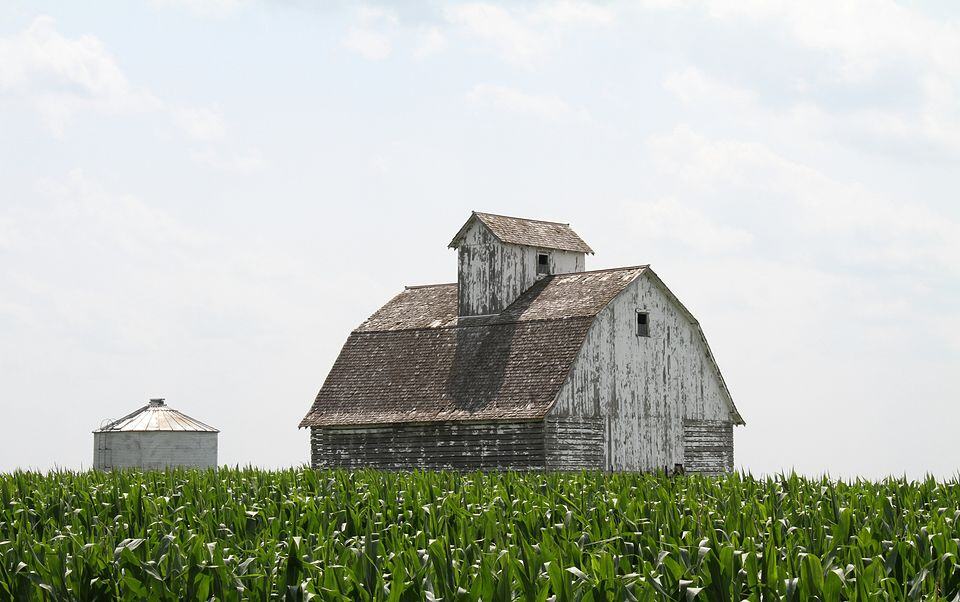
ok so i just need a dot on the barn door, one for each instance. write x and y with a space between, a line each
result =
707 446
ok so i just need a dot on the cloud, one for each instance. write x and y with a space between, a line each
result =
111 273
200 124
669 219
60 76
843 222
525 36
692 86
858 44
240 162
866 34
430 41
368 43
514 40
372 36
63 78
204 8
550 108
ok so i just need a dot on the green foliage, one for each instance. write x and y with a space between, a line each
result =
367 535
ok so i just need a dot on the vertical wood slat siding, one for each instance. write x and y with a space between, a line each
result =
643 387
574 443
463 446
707 446
491 274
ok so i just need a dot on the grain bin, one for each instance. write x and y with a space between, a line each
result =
155 436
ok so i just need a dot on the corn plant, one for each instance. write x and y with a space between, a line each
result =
300 534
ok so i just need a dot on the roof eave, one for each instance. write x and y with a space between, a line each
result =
735 413
474 215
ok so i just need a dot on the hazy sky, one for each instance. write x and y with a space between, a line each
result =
200 199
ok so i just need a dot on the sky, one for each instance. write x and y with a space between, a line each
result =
200 199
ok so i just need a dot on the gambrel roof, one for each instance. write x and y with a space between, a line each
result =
415 360
527 232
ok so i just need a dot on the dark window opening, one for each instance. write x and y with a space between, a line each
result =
543 264
643 324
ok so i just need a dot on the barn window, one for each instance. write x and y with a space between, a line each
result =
643 324
543 264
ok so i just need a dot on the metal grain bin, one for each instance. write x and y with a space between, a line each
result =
155 437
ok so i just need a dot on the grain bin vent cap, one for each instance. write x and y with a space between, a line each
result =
157 416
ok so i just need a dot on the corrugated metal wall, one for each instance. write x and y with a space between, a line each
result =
154 450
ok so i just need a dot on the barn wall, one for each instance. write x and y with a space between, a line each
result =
492 275
642 388
574 443
154 449
459 446
707 446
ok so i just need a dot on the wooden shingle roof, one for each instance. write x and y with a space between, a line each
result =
528 232
414 360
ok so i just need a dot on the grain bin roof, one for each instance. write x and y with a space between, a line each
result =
528 232
414 360
157 416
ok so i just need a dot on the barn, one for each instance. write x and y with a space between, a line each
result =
527 362
155 437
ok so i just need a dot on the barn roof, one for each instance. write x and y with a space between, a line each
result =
529 232
415 360
157 416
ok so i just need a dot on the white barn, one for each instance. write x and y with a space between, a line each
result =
528 361
155 437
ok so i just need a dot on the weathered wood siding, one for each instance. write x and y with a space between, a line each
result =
493 274
574 443
707 446
642 388
445 445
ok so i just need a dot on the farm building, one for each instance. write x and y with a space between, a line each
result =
527 362
155 437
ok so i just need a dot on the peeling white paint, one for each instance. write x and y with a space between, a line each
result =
643 388
493 274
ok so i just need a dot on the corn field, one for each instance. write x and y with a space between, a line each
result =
331 535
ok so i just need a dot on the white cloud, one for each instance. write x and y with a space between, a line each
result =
372 36
368 43
200 124
867 34
205 8
110 272
525 36
870 41
246 161
550 108
692 86
430 41
514 40
668 219
573 13
60 76
853 224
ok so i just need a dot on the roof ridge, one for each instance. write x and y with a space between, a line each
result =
626 267
525 219
416 286
491 322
